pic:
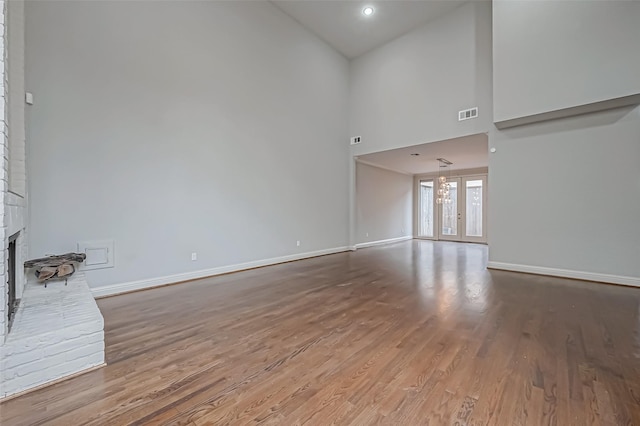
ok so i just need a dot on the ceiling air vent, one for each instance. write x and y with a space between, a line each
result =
467 114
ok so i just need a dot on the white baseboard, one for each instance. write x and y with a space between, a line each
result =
111 290
380 242
566 273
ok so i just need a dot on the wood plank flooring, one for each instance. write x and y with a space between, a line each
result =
407 334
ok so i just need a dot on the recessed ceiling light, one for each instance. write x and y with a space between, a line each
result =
367 11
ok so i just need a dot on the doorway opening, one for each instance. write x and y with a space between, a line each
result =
463 218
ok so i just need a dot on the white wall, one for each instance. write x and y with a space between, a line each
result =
384 204
550 55
565 194
410 90
219 127
176 127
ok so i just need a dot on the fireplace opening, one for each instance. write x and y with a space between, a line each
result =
12 301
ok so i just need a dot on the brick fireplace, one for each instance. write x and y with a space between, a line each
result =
13 213
56 331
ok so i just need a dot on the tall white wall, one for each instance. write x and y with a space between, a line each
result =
384 204
410 90
565 194
219 128
551 55
177 127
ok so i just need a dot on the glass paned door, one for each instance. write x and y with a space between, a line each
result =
475 209
425 213
450 213
473 204
464 217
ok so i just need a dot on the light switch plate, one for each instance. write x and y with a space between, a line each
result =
100 254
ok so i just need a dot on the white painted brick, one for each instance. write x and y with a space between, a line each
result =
67 345
25 382
9 374
92 342
57 331
11 349
86 351
96 337
78 364
61 370
86 360
40 365
95 359
12 362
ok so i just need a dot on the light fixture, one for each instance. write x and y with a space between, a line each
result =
444 187
367 11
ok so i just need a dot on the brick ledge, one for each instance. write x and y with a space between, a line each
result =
58 331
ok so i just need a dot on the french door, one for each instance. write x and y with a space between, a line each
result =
474 216
462 219
450 214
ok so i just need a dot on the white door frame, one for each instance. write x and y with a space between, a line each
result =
459 204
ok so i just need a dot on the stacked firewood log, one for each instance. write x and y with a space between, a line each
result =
51 267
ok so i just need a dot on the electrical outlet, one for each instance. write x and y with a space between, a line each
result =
298 243
356 140
367 234
194 256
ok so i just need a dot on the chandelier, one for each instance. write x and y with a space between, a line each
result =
444 193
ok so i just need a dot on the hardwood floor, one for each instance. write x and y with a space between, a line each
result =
407 334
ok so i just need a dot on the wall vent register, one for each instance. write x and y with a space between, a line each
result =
467 114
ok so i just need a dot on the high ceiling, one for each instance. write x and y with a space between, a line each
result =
343 25
468 152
